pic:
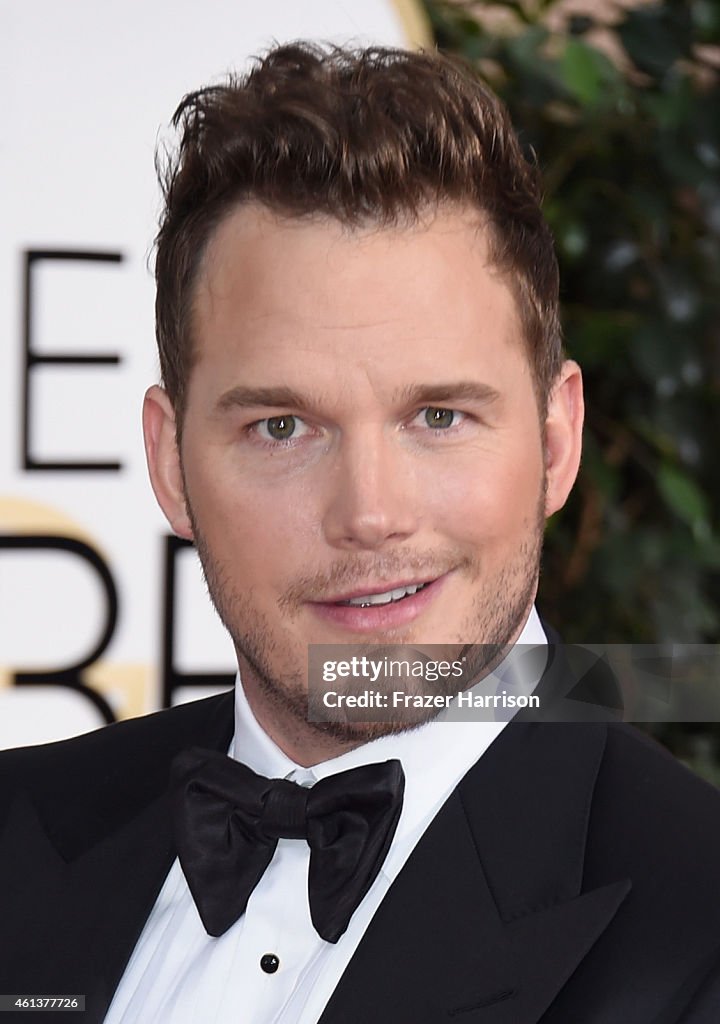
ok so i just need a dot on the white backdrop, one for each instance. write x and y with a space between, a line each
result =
92 592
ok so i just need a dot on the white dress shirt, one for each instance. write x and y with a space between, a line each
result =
178 974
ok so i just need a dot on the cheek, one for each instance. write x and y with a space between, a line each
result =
483 498
250 523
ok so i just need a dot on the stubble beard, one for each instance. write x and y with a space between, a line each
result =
493 622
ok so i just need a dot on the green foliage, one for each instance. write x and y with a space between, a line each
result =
630 153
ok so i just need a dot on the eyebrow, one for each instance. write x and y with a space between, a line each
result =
246 398
242 397
461 390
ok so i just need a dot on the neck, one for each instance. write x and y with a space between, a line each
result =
293 734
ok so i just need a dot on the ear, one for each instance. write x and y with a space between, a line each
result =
163 459
563 435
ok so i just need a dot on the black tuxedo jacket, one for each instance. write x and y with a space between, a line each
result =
573 877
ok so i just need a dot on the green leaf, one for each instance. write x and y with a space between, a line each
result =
582 72
683 496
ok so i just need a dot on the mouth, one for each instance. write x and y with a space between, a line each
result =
376 598
380 606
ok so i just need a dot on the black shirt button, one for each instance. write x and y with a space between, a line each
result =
269 963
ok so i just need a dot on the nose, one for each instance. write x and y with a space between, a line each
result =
373 498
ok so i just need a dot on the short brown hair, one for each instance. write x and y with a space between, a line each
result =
360 135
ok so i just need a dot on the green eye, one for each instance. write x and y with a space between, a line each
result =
280 428
439 418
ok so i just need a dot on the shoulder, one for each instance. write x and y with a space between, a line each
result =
113 756
656 822
641 782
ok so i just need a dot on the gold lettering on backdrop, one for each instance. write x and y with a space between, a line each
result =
124 687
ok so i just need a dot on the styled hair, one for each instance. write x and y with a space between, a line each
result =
364 136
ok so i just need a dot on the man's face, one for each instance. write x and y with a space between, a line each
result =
360 419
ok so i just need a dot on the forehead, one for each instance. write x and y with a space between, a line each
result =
287 288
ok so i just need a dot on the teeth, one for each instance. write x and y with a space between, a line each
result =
390 595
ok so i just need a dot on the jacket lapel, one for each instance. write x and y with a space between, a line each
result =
487 921
91 873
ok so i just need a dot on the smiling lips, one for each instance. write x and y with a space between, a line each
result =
385 609
388 596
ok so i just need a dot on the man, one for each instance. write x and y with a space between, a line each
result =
365 420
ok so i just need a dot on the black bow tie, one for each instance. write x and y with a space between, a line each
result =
228 821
